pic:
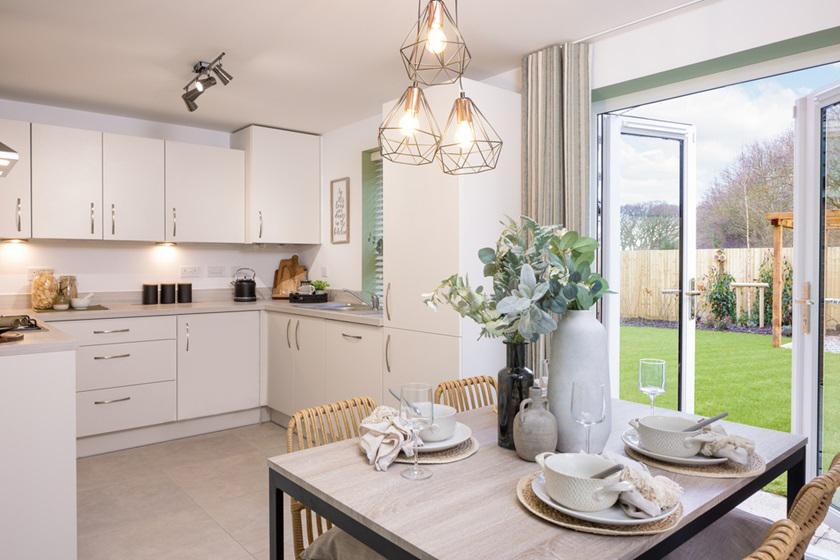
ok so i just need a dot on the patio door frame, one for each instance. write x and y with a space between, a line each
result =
808 222
612 127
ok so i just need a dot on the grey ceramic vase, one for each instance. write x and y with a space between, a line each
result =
578 353
534 428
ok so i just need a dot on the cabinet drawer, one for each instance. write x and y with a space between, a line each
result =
110 331
131 363
110 410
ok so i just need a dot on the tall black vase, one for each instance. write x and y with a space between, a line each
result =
514 382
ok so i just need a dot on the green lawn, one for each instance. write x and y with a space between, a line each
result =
737 372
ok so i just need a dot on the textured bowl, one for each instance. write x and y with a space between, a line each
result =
444 423
665 435
568 481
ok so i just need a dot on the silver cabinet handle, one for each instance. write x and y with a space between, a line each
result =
112 331
92 212
113 401
388 302
174 222
388 353
18 214
112 357
261 223
288 324
353 336
188 337
297 339
113 219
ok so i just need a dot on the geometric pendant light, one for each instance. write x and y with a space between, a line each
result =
8 159
470 144
434 52
410 134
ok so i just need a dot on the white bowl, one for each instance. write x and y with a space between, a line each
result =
443 426
81 302
665 435
568 480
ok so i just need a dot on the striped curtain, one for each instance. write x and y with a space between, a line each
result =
556 101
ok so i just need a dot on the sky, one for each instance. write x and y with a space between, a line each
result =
726 119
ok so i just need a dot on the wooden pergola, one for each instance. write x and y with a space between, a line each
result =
781 221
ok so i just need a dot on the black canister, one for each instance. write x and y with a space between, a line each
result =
167 293
185 293
150 294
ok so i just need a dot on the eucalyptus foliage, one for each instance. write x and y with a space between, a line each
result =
539 272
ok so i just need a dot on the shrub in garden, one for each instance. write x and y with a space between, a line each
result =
765 274
720 297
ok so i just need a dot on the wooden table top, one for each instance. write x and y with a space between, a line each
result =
469 509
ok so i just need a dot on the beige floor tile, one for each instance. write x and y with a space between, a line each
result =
195 450
223 478
263 436
245 518
191 535
111 468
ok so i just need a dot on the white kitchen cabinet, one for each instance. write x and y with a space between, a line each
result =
132 187
282 185
281 362
66 183
416 357
353 361
15 193
123 408
218 363
307 338
205 194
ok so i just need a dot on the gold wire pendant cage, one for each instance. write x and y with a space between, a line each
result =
434 51
410 134
470 144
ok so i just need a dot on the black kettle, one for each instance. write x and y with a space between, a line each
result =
244 287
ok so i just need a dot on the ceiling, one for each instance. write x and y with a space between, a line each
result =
310 65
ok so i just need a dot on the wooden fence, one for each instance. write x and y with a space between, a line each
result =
645 275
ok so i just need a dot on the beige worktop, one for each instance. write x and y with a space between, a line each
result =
50 339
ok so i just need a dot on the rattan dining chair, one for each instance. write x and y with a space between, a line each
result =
467 394
811 505
316 426
780 543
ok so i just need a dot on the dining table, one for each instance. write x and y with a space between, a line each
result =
469 508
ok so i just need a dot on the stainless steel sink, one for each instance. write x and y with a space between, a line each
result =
339 306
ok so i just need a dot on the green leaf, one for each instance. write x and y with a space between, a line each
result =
486 255
584 298
490 269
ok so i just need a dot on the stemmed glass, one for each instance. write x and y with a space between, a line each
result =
652 379
417 411
589 406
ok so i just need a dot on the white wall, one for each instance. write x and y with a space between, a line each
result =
705 31
115 266
341 156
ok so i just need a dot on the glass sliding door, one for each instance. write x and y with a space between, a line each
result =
648 230
816 406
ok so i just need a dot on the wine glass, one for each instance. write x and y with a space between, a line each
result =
589 406
417 411
652 379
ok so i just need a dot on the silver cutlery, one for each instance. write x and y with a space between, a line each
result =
705 422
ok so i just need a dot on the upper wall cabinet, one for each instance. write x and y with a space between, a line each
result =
15 218
205 194
132 187
66 183
283 195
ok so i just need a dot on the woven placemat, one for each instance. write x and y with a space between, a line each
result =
536 506
728 469
451 455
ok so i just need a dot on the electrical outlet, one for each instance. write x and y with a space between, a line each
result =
32 271
216 271
192 271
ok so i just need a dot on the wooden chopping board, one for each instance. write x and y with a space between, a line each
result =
11 337
287 278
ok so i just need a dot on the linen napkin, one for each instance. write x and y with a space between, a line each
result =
717 443
651 495
383 435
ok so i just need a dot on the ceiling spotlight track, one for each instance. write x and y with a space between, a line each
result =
203 80
434 53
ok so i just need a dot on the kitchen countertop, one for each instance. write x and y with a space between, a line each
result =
52 339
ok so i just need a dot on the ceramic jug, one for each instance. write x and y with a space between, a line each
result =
534 428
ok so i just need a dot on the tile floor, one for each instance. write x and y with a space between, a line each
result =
206 498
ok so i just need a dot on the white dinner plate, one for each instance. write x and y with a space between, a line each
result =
610 516
631 438
462 434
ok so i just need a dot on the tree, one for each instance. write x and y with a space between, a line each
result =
650 225
760 180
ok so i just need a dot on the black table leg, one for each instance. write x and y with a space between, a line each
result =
795 478
275 520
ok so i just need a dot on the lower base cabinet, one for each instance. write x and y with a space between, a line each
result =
218 363
123 408
417 357
353 361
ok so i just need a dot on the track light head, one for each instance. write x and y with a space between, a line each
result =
189 98
204 82
223 75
